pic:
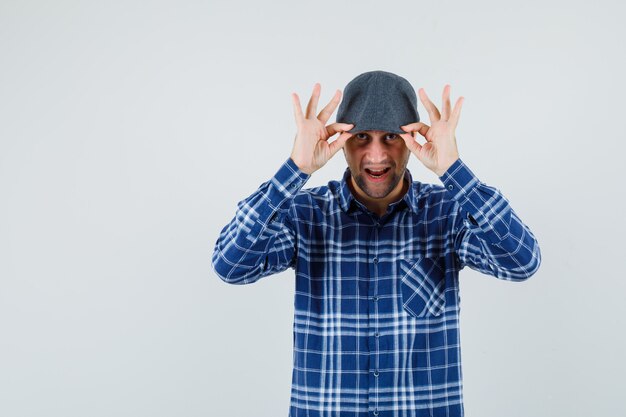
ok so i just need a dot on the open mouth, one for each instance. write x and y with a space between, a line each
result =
377 174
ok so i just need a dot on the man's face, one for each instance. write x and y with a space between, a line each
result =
377 161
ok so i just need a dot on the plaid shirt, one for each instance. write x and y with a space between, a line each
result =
376 326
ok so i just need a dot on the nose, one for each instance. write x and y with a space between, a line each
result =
377 151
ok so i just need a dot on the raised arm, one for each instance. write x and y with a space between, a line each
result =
261 238
489 236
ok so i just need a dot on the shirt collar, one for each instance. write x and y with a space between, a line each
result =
347 200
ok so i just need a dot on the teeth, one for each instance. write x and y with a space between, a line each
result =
377 173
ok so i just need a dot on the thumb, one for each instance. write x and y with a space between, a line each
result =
338 143
411 143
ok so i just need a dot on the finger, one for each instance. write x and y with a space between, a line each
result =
445 106
311 108
338 127
297 109
456 113
338 143
328 110
419 127
411 127
433 112
410 142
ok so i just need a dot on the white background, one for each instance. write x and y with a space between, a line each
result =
129 130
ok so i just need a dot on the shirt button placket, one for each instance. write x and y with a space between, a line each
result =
373 318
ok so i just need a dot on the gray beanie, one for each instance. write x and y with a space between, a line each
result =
378 100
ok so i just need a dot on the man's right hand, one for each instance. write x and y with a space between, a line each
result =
311 149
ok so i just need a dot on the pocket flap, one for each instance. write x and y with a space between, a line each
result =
422 287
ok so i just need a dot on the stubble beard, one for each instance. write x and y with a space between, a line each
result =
364 185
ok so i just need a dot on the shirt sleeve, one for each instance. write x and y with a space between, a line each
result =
488 235
261 238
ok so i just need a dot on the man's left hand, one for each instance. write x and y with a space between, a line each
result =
440 150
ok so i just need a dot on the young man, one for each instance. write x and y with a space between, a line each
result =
376 255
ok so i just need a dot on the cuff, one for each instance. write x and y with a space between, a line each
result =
282 187
459 179
289 179
484 208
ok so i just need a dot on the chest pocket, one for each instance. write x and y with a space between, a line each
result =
422 287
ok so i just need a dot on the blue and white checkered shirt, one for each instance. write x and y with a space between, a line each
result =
376 326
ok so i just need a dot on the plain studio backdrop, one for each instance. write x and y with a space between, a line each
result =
129 130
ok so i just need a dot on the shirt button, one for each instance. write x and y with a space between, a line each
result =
375 260
375 298
375 412
375 373
376 334
450 187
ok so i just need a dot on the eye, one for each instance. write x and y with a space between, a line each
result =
391 136
361 136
